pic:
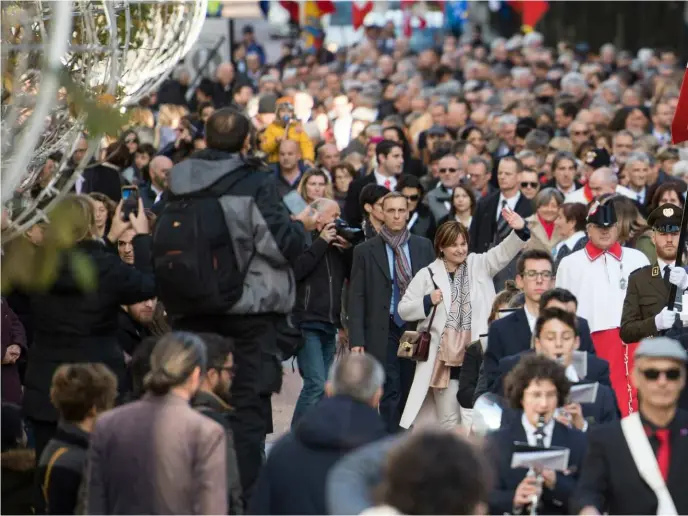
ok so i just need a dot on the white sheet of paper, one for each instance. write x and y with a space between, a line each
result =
585 393
580 363
556 460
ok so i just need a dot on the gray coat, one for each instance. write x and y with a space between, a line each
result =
370 292
157 456
437 199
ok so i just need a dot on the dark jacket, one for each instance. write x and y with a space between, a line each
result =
370 291
425 225
597 370
555 501
353 213
71 326
294 477
12 333
470 372
60 471
216 409
263 234
103 178
130 332
283 187
512 335
610 480
320 273
18 473
484 224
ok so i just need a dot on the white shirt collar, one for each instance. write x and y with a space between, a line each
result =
569 191
571 241
661 264
531 319
511 203
380 179
530 431
572 374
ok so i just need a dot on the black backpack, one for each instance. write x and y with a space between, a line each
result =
195 264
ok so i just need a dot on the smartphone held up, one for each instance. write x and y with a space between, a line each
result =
130 201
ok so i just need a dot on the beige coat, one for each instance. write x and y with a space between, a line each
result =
481 270
538 235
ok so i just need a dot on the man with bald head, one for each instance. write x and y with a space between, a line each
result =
152 193
602 181
289 168
320 273
226 78
329 157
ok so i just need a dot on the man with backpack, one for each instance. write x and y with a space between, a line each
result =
222 252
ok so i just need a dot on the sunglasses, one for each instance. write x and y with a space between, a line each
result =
412 198
670 374
448 170
130 140
527 184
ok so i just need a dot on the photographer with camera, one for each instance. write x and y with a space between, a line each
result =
320 273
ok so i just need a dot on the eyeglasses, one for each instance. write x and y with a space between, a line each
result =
448 170
653 374
534 274
412 198
527 184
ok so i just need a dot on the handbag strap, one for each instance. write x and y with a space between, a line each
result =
434 309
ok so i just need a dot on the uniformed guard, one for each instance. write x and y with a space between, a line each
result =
645 311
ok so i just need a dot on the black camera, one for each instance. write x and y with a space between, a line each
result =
351 235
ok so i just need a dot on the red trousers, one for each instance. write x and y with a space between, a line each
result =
609 346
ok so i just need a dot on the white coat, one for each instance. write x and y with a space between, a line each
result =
481 269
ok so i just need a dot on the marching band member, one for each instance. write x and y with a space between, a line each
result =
536 386
640 464
598 276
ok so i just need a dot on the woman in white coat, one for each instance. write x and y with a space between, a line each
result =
460 286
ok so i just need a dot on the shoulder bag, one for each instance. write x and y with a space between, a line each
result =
415 345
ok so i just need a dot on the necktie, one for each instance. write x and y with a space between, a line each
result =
540 438
678 302
663 452
502 226
388 184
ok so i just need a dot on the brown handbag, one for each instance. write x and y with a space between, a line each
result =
415 345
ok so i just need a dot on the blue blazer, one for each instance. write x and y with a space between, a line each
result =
501 446
512 335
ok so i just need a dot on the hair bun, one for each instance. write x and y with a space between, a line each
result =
158 382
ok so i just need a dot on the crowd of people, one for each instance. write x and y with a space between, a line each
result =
421 232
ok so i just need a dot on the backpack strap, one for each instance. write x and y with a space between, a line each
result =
48 470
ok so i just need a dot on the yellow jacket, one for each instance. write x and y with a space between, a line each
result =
270 146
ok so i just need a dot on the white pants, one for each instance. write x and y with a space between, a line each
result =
440 407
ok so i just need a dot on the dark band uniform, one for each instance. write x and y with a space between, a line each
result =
648 289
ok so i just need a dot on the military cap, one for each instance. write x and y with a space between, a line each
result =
597 158
603 215
661 347
666 218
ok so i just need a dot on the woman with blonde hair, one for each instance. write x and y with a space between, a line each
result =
75 320
452 298
168 121
315 184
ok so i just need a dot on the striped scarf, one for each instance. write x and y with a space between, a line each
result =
402 268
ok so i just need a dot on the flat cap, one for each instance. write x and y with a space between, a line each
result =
661 347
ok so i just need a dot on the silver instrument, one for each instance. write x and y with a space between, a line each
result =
539 432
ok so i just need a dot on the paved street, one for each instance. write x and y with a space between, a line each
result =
284 402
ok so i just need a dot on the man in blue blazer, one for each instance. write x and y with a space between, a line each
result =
556 337
513 334
536 388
